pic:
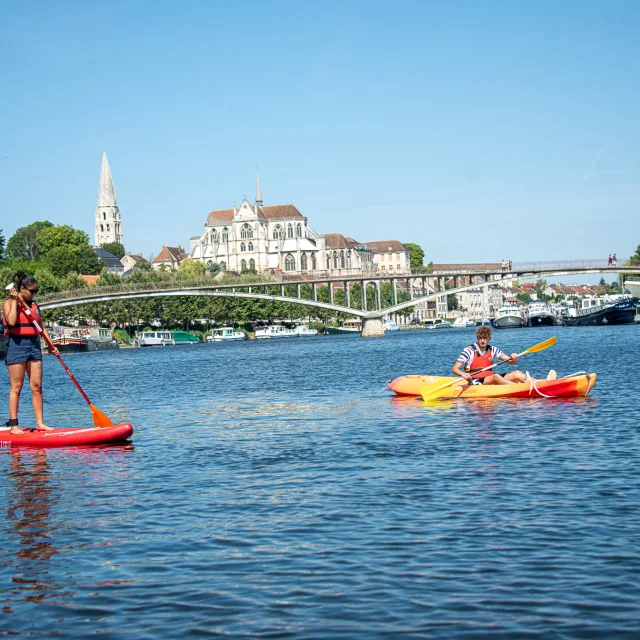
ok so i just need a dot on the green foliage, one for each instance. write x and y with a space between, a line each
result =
121 335
107 278
24 244
114 247
62 235
63 260
452 302
524 297
189 269
416 254
214 268
2 246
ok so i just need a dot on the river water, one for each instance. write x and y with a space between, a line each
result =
273 490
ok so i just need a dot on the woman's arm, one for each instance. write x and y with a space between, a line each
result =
10 309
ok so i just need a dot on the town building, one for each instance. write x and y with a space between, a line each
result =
169 257
390 256
130 260
112 263
108 225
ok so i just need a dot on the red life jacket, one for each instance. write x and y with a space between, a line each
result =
23 326
480 362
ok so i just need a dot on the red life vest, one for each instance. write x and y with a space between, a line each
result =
480 362
23 326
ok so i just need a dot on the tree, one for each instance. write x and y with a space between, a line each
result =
416 254
24 244
2 244
452 302
539 288
62 236
524 297
189 269
214 269
114 247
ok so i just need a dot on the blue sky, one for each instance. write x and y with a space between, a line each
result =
479 130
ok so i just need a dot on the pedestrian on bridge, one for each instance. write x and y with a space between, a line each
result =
615 260
610 261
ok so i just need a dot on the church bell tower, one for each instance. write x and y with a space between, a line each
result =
108 226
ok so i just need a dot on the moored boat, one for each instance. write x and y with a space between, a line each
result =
540 314
154 339
436 323
303 330
274 331
509 316
349 326
224 334
575 385
81 339
463 323
184 337
615 310
390 325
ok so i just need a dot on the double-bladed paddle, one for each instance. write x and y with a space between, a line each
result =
431 391
99 419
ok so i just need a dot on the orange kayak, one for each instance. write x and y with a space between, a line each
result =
572 386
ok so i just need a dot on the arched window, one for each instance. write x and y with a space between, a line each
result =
252 264
277 232
214 236
246 231
243 246
104 215
223 266
108 228
290 231
303 262
328 261
250 246
225 235
101 228
342 259
349 259
289 263
313 261
209 262
298 230
335 259
243 265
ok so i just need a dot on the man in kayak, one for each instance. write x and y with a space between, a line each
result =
23 349
481 354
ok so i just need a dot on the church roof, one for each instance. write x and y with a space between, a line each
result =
272 212
106 192
382 246
338 241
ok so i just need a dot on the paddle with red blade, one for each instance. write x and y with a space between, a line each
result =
99 418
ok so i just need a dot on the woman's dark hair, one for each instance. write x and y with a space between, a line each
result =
24 280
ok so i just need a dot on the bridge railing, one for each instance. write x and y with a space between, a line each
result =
555 265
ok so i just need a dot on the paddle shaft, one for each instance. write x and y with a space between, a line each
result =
53 350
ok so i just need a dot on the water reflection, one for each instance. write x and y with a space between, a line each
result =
29 516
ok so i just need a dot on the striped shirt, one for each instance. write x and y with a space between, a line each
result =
466 357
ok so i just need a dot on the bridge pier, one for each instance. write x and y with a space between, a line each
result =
372 325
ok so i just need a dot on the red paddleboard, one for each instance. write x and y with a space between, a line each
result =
65 437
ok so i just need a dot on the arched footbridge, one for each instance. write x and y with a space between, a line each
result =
420 287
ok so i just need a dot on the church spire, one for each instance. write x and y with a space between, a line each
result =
106 192
108 225
258 192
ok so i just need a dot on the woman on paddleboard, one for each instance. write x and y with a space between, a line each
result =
23 349
480 355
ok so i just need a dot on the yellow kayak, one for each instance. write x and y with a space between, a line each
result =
576 385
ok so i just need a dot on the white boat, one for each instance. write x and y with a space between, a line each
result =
155 339
509 316
463 323
541 314
304 330
226 333
274 331
390 325
436 323
634 287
